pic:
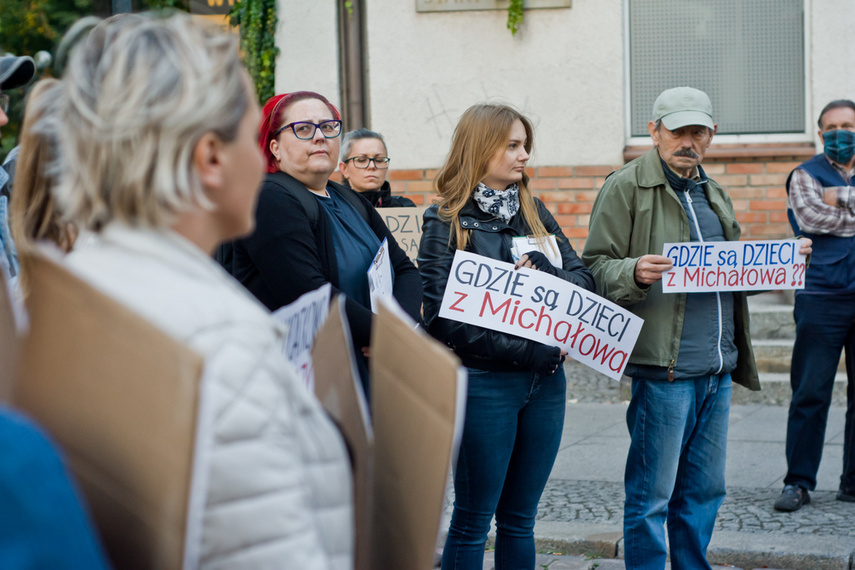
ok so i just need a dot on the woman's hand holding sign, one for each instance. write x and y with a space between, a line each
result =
544 359
536 260
649 268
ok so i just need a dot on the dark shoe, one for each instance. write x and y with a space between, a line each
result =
792 499
847 495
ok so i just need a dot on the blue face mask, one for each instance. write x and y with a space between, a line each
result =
839 145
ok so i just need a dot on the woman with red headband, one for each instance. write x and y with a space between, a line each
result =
310 230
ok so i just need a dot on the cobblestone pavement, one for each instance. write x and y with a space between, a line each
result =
745 510
585 385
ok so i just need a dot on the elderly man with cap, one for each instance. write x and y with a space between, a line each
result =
14 72
692 346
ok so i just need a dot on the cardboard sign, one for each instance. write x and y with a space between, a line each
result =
535 305
9 342
339 390
380 276
401 465
303 318
121 397
414 387
406 226
734 266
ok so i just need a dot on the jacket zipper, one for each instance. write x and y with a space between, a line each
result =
717 294
671 371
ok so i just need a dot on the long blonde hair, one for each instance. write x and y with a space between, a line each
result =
483 131
34 215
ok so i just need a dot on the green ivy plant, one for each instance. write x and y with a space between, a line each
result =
515 15
256 20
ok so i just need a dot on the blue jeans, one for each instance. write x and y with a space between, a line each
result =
675 469
825 326
510 439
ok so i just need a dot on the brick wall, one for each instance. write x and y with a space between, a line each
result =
756 186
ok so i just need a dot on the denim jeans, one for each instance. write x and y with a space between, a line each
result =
674 470
825 325
510 439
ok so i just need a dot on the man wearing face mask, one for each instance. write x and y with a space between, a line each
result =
822 207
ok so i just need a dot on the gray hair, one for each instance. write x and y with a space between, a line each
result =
353 136
138 95
836 104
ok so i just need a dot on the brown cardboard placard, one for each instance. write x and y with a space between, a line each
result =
339 390
406 226
9 342
414 404
121 398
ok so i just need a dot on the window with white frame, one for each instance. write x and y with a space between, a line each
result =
747 55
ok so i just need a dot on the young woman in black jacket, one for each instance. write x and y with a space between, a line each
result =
516 393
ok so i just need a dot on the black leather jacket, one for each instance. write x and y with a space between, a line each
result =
478 347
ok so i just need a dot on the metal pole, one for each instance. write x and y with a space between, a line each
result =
352 66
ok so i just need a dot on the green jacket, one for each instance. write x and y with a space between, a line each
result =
635 214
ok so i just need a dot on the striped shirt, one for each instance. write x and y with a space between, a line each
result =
813 214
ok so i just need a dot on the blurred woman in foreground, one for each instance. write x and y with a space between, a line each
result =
157 124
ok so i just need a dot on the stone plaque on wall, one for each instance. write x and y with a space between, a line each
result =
458 5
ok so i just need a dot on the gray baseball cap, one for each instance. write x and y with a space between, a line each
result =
16 71
683 106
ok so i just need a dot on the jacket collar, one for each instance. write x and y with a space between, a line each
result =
473 217
171 249
649 173
378 198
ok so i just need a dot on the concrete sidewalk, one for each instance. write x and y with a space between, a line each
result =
581 511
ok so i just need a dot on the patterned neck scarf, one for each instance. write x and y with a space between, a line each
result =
503 204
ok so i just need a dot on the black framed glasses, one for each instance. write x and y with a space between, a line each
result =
362 161
4 102
305 130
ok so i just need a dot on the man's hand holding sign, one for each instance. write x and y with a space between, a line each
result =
531 303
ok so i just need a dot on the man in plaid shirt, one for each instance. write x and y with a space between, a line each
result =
822 207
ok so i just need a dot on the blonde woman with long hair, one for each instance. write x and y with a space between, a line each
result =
35 216
516 395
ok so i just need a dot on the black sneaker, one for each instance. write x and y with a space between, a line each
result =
846 495
792 498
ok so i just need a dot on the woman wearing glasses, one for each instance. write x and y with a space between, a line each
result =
364 164
310 230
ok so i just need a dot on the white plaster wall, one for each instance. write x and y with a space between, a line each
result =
307 36
831 52
563 69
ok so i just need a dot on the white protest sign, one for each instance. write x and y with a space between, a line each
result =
406 227
380 276
537 306
549 247
303 318
734 266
